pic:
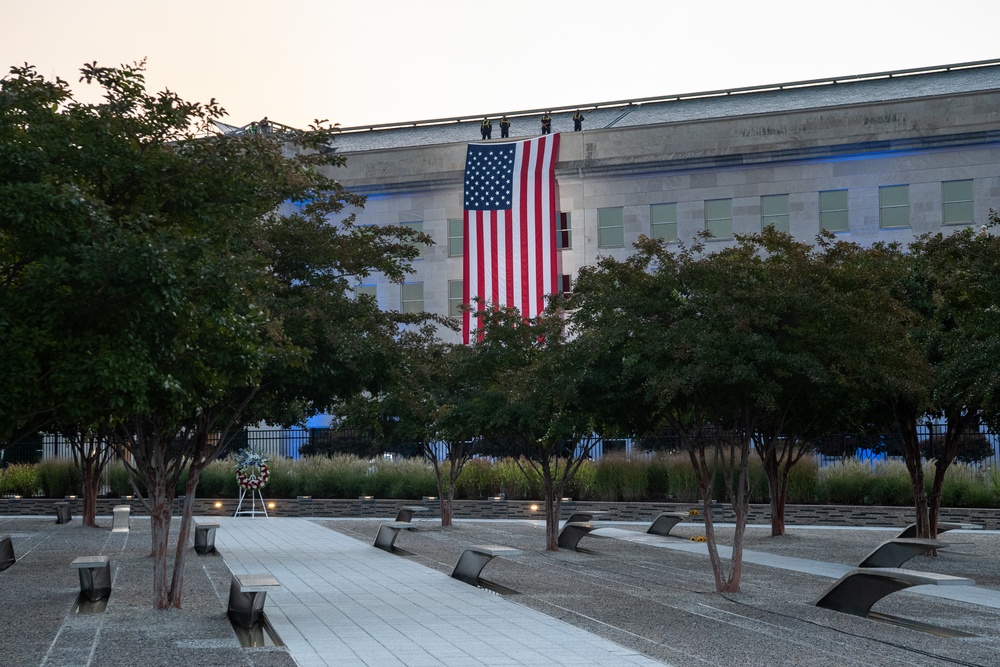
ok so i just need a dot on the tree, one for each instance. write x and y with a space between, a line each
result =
524 393
953 285
180 301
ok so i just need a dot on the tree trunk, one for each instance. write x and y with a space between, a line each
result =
91 487
914 466
180 554
160 506
553 505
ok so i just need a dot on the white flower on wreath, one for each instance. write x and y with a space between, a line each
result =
251 469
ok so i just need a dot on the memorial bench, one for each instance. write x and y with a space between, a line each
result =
63 512
665 522
6 553
204 536
385 538
895 552
474 559
586 517
119 522
859 589
942 527
572 533
247 594
95 576
406 512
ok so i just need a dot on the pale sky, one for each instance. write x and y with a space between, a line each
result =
375 61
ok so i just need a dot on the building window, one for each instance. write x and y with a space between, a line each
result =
455 298
456 237
774 213
366 290
719 218
833 210
565 284
894 206
663 221
610 228
412 300
956 202
564 232
417 227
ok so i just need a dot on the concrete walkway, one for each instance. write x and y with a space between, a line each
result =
345 603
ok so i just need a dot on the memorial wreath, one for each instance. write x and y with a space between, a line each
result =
251 469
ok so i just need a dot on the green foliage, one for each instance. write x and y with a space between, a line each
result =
477 480
284 480
965 486
803 480
845 483
59 478
21 479
400 478
118 480
581 487
218 480
339 476
620 478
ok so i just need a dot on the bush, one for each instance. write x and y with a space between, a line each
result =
618 478
59 478
218 480
845 483
282 479
964 486
21 479
338 476
890 484
477 480
803 481
658 477
683 484
516 483
581 487
400 478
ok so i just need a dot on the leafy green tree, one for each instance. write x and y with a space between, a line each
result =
160 272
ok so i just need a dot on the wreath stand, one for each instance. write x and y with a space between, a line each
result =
253 511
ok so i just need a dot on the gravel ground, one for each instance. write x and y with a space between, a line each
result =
38 596
662 602
658 601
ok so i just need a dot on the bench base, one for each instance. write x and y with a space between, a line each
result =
95 576
472 561
572 533
857 591
6 553
247 594
665 522
119 523
204 537
385 538
63 513
406 513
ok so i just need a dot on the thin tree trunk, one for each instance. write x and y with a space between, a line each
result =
91 486
180 554
160 523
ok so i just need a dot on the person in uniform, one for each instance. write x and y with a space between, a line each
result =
577 121
547 122
504 127
486 128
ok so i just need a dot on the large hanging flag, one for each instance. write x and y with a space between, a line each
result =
510 218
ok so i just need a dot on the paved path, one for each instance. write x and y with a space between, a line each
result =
344 602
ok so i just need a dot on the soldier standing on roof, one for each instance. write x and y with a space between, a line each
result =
546 122
577 121
486 128
504 127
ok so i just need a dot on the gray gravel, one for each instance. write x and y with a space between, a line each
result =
662 602
658 601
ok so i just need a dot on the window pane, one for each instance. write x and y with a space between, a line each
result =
611 232
716 209
956 197
774 205
895 217
455 238
894 195
412 298
894 206
833 210
720 229
454 298
367 290
663 221
957 212
564 231
779 222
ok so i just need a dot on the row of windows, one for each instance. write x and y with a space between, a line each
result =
894 212
564 236
411 298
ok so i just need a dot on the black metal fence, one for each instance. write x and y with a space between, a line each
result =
981 449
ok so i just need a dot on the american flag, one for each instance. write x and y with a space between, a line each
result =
510 218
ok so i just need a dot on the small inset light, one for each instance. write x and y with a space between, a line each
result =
366 497
271 506
17 497
533 508
218 505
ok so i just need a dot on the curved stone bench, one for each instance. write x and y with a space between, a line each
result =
6 553
859 589
895 552
585 516
407 511
474 559
385 538
572 533
942 527
665 522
